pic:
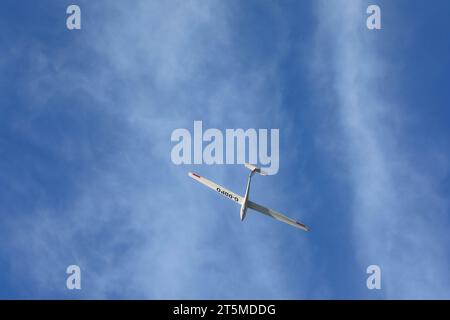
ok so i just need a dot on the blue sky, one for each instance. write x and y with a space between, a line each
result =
87 179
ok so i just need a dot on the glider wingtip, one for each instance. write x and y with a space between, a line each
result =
302 226
193 175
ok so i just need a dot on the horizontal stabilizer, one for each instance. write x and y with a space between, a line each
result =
255 169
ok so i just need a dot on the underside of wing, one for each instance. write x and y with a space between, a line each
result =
218 188
276 215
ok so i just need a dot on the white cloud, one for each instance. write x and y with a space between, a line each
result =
397 215
136 223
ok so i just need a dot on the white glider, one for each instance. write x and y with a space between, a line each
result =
244 201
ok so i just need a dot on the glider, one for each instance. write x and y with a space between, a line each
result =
244 201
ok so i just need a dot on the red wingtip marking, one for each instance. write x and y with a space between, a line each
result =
301 224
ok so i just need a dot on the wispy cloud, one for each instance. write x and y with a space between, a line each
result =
134 222
398 215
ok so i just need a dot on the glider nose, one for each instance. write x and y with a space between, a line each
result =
243 212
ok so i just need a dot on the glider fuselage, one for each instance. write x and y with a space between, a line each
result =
244 207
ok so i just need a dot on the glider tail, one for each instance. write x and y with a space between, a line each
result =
254 168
